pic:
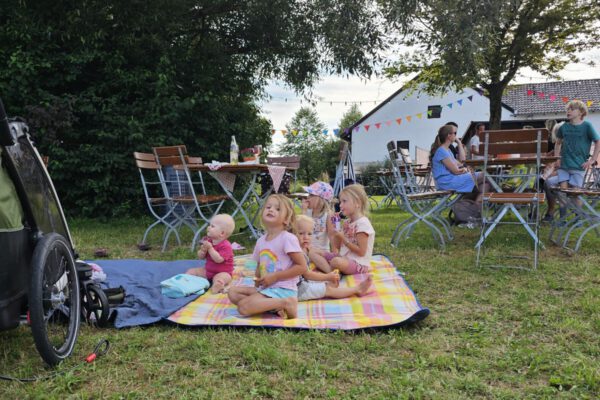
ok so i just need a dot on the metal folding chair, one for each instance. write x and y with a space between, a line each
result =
159 202
496 205
423 206
582 217
198 206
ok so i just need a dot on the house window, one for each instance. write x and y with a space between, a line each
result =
434 111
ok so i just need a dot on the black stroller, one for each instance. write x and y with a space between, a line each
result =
39 277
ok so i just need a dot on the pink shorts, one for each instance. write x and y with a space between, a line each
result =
353 266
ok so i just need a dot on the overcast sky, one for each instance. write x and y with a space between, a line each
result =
337 93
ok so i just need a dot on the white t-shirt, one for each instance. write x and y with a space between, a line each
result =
473 142
350 230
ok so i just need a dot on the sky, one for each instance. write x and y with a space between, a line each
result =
335 94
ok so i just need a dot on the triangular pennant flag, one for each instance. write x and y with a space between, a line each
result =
429 113
420 115
459 102
565 99
325 131
378 125
399 120
449 105
346 130
367 127
541 95
273 131
294 132
283 132
408 117
336 132
356 128
552 97
530 92
589 103
470 98
388 123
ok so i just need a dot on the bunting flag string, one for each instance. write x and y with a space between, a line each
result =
408 118
553 97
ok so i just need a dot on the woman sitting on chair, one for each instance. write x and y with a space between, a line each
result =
448 173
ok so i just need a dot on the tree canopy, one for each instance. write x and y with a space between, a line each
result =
306 139
97 80
350 117
462 43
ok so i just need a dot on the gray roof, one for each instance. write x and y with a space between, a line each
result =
547 98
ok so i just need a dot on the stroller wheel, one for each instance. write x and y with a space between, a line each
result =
94 306
54 303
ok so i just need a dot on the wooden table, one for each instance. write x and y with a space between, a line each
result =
243 204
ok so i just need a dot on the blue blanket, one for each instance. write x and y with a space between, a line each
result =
144 304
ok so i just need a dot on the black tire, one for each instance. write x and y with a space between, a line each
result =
54 303
95 307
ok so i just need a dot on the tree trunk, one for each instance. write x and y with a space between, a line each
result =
495 95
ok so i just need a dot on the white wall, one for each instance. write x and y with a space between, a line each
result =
370 146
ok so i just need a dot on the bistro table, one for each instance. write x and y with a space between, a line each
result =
226 175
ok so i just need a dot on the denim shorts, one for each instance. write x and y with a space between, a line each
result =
573 176
278 293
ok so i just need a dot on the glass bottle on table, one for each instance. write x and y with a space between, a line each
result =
233 152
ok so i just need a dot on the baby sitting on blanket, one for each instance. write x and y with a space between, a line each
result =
218 253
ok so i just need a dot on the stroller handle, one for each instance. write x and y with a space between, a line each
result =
5 136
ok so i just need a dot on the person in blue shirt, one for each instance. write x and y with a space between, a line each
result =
448 173
573 143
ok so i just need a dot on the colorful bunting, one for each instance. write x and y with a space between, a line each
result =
419 115
470 98
378 125
449 105
589 103
459 102
399 120
552 97
529 92
388 123
408 117
429 113
367 127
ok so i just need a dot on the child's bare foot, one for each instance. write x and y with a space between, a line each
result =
334 278
217 287
364 286
290 309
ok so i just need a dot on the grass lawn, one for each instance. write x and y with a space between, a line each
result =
491 334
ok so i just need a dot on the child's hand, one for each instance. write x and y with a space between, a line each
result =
339 235
267 280
205 246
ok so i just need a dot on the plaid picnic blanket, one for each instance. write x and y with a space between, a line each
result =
391 302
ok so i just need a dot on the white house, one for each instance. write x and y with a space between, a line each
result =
415 117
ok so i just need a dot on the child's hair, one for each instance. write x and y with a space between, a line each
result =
304 218
323 206
578 105
357 193
286 207
228 224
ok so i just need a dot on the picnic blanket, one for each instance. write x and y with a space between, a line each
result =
391 302
144 303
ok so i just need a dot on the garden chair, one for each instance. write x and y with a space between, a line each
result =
196 203
423 206
160 204
524 198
